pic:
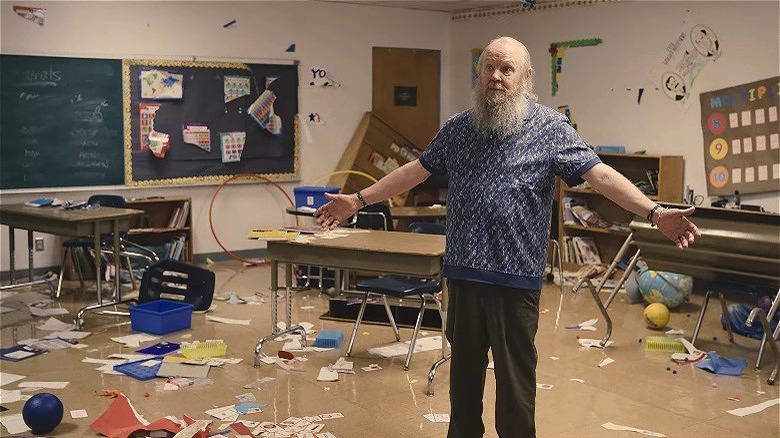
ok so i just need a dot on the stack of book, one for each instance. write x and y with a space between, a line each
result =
581 250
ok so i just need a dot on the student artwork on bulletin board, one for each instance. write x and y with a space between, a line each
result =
742 138
686 55
190 122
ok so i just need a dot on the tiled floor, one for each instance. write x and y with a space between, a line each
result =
639 389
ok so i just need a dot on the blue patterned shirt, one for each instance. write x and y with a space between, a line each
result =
500 194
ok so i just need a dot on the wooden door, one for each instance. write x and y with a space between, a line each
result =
406 91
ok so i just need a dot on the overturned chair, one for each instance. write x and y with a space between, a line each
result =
172 279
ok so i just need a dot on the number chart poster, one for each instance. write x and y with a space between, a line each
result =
742 138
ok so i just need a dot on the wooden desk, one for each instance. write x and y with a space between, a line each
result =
394 252
437 213
72 223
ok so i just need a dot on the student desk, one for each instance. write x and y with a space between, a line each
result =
419 213
393 252
95 221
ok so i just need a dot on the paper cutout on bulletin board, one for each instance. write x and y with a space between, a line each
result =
197 135
558 49
232 144
270 80
315 119
262 111
235 87
694 47
159 84
159 143
741 135
146 113
36 15
291 48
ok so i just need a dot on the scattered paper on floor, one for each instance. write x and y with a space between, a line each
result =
741 412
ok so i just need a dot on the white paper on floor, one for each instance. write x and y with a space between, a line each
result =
741 412
78 413
14 423
401 348
135 340
55 325
327 375
437 418
10 396
584 342
228 320
6 378
605 362
613 426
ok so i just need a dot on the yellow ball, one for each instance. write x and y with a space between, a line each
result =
656 316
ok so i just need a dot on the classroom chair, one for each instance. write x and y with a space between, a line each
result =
127 248
173 279
555 256
400 286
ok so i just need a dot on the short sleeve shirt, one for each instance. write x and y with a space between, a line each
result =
500 194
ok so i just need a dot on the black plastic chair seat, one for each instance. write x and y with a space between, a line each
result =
400 286
188 283
86 242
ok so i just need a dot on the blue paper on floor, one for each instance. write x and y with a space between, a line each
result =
160 348
722 365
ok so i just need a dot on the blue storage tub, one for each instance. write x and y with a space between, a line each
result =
312 196
161 317
329 339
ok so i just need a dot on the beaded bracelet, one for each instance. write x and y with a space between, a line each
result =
360 198
650 215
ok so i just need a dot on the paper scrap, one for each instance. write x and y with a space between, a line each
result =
401 348
10 395
605 362
36 15
613 426
585 325
228 320
47 385
14 423
437 418
159 143
78 413
327 375
7 378
135 340
593 343
741 412
55 325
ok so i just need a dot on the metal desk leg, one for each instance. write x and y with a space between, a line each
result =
30 266
444 356
770 339
701 317
30 252
275 332
11 255
769 316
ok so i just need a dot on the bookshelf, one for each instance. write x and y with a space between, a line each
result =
668 186
165 226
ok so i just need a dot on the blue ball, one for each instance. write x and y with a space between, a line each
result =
42 412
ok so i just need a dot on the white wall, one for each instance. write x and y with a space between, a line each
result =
635 36
337 37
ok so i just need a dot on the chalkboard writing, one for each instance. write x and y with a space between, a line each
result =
217 119
60 122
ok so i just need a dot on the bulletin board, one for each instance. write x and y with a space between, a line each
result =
190 122
742 138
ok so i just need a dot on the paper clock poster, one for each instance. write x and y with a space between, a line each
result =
232 145
159 84
36 15
235 87
741 136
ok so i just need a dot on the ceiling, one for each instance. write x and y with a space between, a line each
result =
450 6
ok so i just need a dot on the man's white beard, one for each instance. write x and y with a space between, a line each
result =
503 118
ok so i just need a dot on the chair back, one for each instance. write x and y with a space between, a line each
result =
116 201
375 217
427 228
554 221
172 279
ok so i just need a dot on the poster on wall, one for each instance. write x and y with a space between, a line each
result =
741 136
694 47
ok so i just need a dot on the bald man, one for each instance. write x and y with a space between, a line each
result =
502 157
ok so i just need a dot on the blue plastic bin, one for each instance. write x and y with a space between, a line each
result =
161 317
329 339
312 196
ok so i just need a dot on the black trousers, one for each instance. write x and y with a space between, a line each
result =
503 319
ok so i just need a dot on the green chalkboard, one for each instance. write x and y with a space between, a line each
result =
60 122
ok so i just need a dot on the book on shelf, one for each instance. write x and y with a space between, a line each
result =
174 218
587 250
185 211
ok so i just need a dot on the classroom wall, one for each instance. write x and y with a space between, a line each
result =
337 37
594 80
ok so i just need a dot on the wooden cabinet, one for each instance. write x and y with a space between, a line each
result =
165 227
668 186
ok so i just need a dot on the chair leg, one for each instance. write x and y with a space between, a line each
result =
557 256
62 273
357 323
130 270
390 317
416 332
726 316
701 317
